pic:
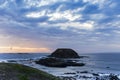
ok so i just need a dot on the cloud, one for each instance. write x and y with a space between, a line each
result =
98 16
117 31
100 3
3 3
40 3
67 23
75 25
35 14
68 15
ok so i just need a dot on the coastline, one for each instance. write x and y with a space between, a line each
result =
70 72
14 71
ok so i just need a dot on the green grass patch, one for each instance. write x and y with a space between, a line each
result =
23 77
22 72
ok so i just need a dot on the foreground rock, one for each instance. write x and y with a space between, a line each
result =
57 62
64 53
9 71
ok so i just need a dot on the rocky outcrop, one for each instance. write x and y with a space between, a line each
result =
89 76
60 58
57 62
64 53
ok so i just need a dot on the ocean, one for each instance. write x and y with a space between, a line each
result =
103 62
99 62
21 56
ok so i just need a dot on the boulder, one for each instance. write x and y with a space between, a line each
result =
64 53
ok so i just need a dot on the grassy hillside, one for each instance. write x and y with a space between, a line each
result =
9 71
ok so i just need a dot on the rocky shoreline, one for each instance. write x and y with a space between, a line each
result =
76 75
85 75
57 63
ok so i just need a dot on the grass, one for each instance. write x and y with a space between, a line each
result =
23 77
21 72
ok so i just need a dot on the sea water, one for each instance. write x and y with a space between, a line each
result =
20 56
99 62
106 60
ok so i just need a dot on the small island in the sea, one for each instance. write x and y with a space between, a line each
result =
61 58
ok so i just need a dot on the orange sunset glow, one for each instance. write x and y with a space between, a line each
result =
22 49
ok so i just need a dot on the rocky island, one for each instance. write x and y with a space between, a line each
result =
64 53
61 58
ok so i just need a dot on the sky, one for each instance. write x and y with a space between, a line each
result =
87 26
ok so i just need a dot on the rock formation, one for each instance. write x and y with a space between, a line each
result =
64 53
60 58
57 62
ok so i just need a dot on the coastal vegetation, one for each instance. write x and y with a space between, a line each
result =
10 71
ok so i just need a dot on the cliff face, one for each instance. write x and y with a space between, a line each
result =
64 53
